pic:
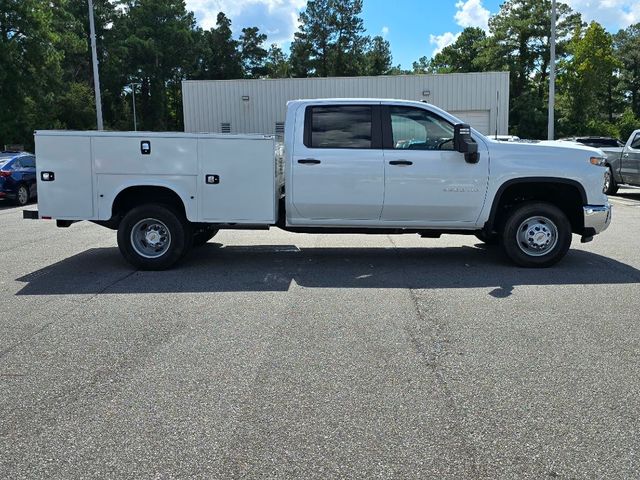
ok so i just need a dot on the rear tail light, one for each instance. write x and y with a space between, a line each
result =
4 173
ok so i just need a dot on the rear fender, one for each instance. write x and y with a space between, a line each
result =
112 185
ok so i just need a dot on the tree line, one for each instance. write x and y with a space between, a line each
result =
152 45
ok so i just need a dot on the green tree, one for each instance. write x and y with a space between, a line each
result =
157 42
378 57
463 54
398 70
587 82
312 43
330 39
220 57
30 67
252 52
627 49
627 123
75 105
519 42
300 62
347 52
423 66
276 63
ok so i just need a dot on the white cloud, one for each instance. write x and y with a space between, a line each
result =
277 18
442 41
612 14
385 31
472 14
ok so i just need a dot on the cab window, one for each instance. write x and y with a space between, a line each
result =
339 126
635 144
418 129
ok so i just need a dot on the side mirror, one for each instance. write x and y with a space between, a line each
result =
464 143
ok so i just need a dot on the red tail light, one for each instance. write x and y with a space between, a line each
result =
4 173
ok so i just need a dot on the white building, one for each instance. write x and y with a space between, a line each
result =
258 106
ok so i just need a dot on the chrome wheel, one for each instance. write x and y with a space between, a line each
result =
150 238
23 196
537 236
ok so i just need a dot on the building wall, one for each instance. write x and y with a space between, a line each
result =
256 106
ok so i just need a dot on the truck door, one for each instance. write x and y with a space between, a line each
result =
631 161
426 180
337 170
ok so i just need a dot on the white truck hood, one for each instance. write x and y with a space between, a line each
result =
555 150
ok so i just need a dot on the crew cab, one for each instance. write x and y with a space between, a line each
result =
623 164
366 166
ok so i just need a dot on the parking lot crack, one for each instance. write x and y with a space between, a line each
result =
429 339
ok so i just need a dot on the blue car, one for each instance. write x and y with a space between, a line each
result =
18 177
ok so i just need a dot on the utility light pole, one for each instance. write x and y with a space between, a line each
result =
133 92
96 75
552 74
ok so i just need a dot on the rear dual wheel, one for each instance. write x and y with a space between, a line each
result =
154 237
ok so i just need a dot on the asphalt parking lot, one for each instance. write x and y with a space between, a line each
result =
275 355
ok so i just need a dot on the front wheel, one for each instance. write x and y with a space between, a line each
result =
153 237
536 234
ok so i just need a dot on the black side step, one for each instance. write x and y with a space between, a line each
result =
30 215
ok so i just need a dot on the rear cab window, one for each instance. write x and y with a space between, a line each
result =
341 126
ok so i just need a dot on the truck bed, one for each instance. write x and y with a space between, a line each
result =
90 170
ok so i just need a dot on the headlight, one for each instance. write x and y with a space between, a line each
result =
598 161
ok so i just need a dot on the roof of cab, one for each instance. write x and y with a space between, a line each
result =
386 101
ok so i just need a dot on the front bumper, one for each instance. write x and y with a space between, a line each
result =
596 218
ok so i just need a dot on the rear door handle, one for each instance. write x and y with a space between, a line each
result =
400 162
308 161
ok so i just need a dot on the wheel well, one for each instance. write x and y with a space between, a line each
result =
132 197
566 196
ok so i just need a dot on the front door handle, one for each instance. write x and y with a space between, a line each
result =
308 161
625 155
400 162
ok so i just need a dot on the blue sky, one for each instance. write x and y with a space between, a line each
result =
413 27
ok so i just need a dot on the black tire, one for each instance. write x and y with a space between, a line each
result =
612 187
541 242
167 224
203 236
22 196
488 239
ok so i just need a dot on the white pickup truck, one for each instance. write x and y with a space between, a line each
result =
348 166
